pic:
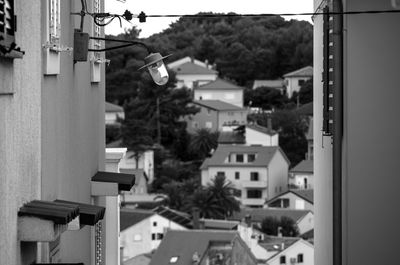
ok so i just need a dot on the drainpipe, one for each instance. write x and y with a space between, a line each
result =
337 130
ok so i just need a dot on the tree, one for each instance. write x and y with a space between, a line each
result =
206 203
291 128
270 225
306 92
202 142
266 98
222 191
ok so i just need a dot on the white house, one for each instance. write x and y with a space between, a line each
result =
304 219
188 59
113 114
302 175
278 84
288 251
259 135
220 90
190 75
294 200
142 231
294 80
257 172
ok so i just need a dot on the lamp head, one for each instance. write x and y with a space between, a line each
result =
155 65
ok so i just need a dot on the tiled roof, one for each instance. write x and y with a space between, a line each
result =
113 108
261 129
219 84
231 138
269 83
306 109
303 72
183 244
130 217
258 214
264 155
220 224
305 166
307 195
308 235
190 68
173 215
275 243
218 105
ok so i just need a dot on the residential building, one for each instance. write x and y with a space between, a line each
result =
304 219
285 250
214 114
114 114
192 73
294 200
249 134
294 80
278 84
51 138
220 90
357 149
203 247
189 59
302 175
257 172
143 230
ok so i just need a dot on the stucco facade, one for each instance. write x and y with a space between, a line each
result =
292 253
52 136
138 239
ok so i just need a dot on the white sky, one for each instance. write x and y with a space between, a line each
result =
181 7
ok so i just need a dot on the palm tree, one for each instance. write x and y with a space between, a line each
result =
206 204
202 142
222 191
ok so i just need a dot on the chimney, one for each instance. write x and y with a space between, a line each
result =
191 59
279 231
196 218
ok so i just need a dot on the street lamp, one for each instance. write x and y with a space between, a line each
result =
153 61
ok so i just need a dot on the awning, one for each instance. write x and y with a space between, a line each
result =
111 183
88 214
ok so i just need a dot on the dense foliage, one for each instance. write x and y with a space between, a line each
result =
285 225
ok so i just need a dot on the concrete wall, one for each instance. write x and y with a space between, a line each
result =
143 230
20 132
370 153
72 133
234 97
254 137
236 117
278 175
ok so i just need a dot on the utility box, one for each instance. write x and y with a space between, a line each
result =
81 46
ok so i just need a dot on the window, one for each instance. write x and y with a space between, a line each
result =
254 194
237 175
254 176
52 52
221 173
54 23
301 82
208 112
137 237
160 236
154 223
282 260
300 258
208 124
239 158
251 157
153 236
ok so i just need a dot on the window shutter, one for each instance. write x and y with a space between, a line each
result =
7 22
328 72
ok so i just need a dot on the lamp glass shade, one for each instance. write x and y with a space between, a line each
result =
158 72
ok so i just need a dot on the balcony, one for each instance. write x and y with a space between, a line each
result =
254 184
255 201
